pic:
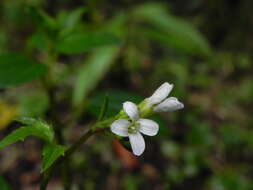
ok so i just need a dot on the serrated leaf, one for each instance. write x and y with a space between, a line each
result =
34 127
50 154
90 73
27 120
47 132
17 70
78 43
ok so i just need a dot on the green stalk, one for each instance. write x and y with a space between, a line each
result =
48 174
97 128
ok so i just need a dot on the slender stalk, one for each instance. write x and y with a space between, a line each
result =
69 152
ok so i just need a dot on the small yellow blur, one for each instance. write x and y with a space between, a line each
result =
7 114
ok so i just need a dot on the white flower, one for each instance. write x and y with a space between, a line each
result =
134 127
160 101
160 94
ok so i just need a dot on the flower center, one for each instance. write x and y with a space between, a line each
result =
133 128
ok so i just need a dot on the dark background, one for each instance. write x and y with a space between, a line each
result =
204 49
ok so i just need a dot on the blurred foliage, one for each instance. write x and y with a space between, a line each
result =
16 70
78 52
4 185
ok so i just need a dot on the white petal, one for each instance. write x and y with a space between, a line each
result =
170 104
148 127
160 94
131 110
120 127
137 143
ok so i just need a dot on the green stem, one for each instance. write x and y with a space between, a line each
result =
68 153
97 128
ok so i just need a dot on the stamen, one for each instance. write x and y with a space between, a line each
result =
133 128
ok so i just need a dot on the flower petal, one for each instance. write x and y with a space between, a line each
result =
148 127
137 143
170 104
120 127
160 94
131 110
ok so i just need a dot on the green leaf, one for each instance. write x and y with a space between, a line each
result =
90 73
41 18
38 40
103 108
4 185
33 127
50 154
68 21
72 18
171 30
117 25
17 70
78 43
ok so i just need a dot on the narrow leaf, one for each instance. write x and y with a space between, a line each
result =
41 18
17 70
50 154
68 21
171 30
90 73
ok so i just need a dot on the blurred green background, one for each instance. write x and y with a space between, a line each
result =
65 56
